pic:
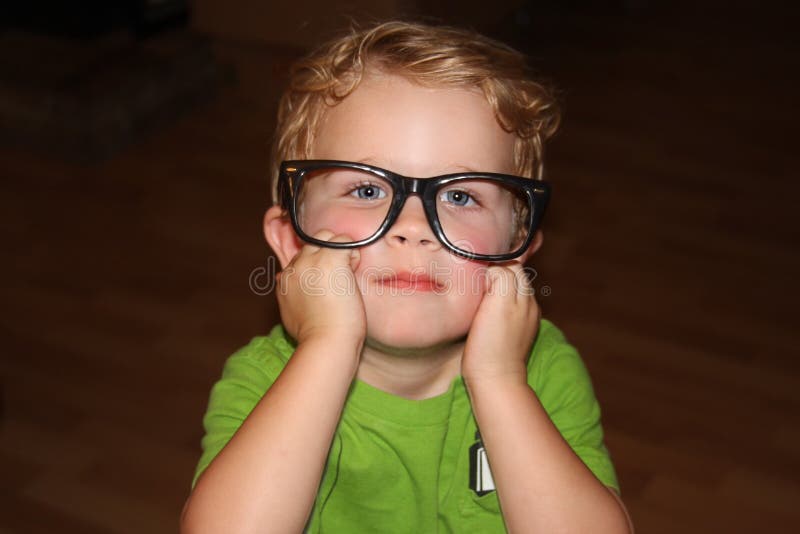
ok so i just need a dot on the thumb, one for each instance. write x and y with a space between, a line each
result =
355 258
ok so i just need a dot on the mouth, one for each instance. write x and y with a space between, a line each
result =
410 281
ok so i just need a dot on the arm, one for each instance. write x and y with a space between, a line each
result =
542 485
269 472
266 478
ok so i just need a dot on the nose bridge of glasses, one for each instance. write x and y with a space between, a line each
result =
412 186
411 222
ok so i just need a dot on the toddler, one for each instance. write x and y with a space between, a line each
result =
411 386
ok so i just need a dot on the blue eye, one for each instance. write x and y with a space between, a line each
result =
457 198
369 192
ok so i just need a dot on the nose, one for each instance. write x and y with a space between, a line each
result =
411 227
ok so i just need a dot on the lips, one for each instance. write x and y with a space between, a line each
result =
410 280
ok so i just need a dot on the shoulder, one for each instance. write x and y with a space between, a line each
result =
276 344
247 375
249 372
556 371
263 355
559 377
552 352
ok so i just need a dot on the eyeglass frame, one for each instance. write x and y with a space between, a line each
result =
292 172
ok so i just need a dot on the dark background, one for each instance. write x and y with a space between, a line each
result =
133 145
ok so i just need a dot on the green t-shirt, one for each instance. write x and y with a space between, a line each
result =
412 466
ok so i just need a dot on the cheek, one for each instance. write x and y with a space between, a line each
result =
484 244
462 282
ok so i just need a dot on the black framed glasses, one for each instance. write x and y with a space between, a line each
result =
477 215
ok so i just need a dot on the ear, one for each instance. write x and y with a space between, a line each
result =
536 242
281 236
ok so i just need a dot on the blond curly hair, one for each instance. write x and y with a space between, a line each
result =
429 55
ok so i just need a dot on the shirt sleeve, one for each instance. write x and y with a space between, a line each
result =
245 379
565 390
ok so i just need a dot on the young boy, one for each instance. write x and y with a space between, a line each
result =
412 386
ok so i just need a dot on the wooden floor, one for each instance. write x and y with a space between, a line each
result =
670 260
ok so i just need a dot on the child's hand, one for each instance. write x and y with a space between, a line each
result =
318 295
505 325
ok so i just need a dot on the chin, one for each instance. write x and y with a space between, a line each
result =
412 340
420 324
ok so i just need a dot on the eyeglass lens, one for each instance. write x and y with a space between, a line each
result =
479 216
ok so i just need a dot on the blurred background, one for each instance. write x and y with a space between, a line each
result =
133 155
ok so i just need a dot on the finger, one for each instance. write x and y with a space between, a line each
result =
522 284
353 255
340 238
509 280
498 279
322 235
313 248
355 258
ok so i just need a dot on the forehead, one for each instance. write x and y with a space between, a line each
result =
418 131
